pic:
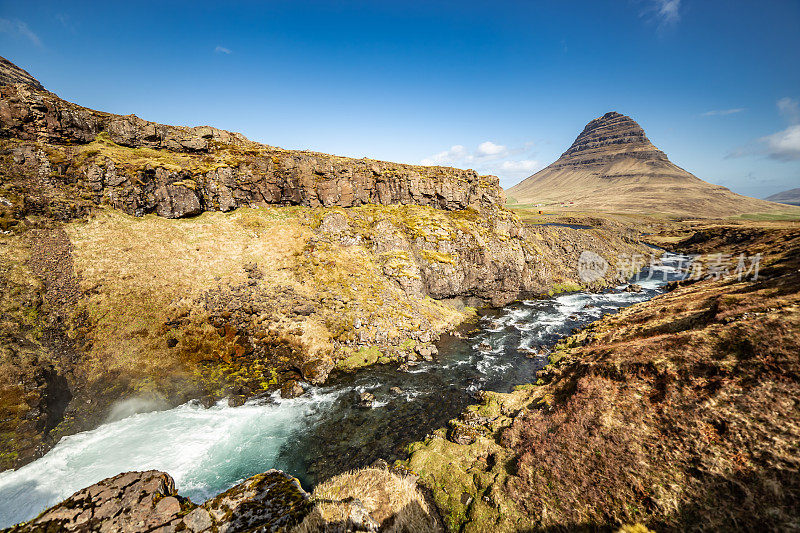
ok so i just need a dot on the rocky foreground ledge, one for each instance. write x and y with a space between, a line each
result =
148 501
372 499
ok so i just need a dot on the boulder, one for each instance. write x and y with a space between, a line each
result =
291 389
133 501
317 370
177 201
427 351
366 400
139 502
334 223
272 501
303 309
237 400
464 435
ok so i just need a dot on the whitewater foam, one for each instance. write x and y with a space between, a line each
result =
206 451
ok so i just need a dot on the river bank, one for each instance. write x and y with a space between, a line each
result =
652 408
679 413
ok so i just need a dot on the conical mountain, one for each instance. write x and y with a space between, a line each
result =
613 166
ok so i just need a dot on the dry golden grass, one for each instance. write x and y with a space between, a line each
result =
136 270
393 502
140 158
142 276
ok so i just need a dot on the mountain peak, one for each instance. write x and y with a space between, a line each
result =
612 133
613 166
11 73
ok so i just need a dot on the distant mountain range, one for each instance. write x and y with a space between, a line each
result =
791 197
613 166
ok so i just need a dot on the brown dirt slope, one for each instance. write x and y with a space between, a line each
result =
680 413
613 166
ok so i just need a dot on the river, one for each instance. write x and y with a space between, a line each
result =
323 432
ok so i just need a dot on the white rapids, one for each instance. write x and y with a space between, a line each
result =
206 451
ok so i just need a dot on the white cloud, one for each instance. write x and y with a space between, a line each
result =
222 50
17 27
487 158
458 155
668 11
784 145
723 112
664 13
490 149
453 156
789 109
525 167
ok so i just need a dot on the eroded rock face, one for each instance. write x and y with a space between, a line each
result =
494 257
147 501
142 167
613 134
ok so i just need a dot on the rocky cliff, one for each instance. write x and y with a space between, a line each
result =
613 166
142 167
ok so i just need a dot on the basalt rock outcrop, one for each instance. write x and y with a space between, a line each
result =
371 499
139 502
143 167
613 166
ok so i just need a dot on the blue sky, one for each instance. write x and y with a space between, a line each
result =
503 87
